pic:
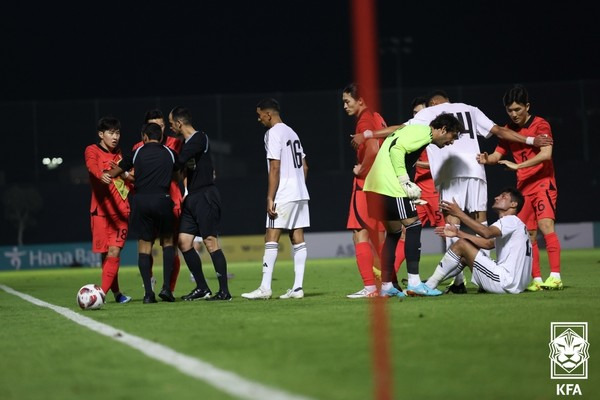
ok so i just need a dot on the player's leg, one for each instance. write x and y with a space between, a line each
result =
269 259
461 253
527 215
144 265
299 254
165 226
117 230
545 215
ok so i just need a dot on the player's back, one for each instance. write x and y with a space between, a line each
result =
283 144
459 159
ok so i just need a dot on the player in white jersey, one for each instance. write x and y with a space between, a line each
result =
456 173
287 199
511 272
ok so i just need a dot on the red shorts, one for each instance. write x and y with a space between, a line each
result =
358 217
108 231
430 212
538 206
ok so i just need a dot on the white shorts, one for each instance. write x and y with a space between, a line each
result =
469 193
486 274
292 215
198 239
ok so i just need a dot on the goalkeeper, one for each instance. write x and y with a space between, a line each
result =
391 197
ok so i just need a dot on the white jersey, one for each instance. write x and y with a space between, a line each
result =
513 252
459 159
283 144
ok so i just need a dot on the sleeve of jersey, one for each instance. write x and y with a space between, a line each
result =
502 147
484 124
273 145
366 122
91 162
543 128
191 148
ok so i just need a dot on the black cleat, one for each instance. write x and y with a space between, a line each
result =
220 296
167 295
149 298
197 294
456 289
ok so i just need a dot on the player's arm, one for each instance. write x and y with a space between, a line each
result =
371 149
304 167
512 136
360 138
489 159
544 154
92 163
398 159
274 172
487 232
451 231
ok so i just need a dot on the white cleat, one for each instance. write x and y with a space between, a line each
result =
259 293
363 294
297 293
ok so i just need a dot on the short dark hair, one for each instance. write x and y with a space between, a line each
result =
182 115
269 104
108 123
517 94
419 100
153 114
353 90
436 93
152 130
451 123
515 195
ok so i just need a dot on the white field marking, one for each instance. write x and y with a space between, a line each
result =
226 381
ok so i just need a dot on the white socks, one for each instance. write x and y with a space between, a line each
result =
300 254
269 258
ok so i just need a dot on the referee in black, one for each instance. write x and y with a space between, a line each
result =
152 208
201 209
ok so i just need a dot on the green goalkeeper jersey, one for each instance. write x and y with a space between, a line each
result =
390 164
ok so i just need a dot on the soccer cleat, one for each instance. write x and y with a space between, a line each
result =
122 298
534 286
220 296
422 290
167 295
197 294
362 294
259 293
393 292
456 289
552 283
149 298
297 293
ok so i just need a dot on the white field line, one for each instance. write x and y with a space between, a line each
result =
226 381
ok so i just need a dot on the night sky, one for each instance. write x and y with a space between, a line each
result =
114 50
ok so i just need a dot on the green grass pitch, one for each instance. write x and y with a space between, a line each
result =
474 346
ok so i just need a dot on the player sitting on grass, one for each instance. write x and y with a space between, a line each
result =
512 272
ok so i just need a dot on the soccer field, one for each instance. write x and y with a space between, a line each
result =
473 346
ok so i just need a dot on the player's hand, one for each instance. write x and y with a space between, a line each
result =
356 169
451 208
482 158
271 209
106 178
412 191
420 202
449 230
542 140
509 164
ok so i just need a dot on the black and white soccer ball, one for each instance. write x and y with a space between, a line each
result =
90 297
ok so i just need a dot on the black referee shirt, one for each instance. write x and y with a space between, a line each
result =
195 157
154 164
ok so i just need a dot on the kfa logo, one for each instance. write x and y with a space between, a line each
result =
569 350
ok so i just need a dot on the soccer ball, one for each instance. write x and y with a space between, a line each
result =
90 297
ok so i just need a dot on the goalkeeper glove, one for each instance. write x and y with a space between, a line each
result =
412 191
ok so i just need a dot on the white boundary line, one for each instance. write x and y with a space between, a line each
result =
226 381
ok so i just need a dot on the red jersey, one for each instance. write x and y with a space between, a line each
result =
423 178
174 144
108 199
367 151
529 179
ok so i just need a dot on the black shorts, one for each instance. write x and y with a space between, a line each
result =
386 208
201 213
152 216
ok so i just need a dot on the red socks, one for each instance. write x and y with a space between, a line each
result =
553 249
364 260
110 270
536 271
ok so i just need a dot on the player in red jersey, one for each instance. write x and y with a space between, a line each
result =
535 179
109 206
368 233
174 143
